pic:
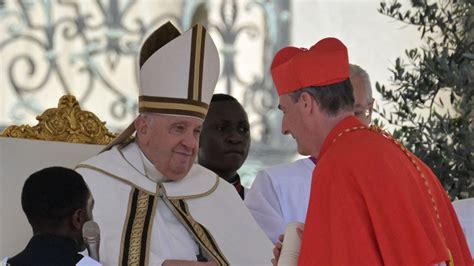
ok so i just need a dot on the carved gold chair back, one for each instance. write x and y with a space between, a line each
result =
68 123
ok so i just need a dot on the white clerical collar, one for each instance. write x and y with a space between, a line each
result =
150 170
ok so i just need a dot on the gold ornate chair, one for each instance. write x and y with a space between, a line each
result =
64 136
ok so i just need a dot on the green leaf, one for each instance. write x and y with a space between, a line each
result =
444 61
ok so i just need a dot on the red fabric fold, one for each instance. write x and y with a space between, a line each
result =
369 205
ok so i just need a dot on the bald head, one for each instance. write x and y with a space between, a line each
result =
362 93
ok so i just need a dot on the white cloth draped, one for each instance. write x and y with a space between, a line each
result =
465 211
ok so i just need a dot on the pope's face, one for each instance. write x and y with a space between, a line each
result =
169 142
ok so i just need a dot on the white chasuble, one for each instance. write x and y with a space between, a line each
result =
146 220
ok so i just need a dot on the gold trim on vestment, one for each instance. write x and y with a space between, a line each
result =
134 250
87 166
195 229
412 159
150 225
212 189
125 224
119 150
200 233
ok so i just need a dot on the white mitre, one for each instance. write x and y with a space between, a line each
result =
178 74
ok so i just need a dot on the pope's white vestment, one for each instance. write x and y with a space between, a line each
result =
144 219
280 195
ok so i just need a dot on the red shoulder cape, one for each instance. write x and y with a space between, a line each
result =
369 205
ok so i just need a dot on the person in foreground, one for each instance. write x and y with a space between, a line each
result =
372 201
57 203
280 194
154 205
225 139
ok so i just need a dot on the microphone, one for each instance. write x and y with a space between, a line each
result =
91 235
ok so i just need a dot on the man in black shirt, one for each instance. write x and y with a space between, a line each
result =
57 203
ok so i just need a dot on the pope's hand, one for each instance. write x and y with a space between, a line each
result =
277 250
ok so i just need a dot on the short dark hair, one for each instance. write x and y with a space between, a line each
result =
222 97
331 98
52 194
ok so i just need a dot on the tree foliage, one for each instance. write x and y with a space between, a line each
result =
433 94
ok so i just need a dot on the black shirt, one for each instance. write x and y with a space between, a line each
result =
47 250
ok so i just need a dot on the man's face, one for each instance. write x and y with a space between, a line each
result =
363 105
225 138
169 142
292 122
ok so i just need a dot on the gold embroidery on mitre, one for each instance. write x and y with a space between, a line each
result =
173 106
199 57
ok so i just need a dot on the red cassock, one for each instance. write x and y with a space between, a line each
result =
374 203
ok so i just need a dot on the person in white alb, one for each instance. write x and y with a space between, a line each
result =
154 204
465 212
280 194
